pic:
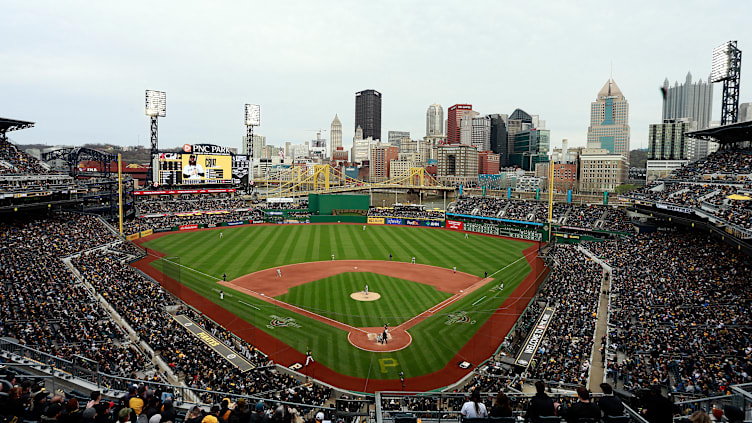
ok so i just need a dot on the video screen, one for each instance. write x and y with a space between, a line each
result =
194 169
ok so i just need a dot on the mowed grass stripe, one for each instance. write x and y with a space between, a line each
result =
434 342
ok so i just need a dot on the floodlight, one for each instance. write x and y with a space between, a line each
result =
156 103
252 115
722 55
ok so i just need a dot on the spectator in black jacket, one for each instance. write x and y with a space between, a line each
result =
583 409
501 408
540 405
658 409
609 404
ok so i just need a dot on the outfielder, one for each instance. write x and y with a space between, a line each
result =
221 234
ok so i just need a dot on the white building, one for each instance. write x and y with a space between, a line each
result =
601 171
399 168
481 133
335 136
435 120
361 149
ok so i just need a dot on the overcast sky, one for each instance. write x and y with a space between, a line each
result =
79 69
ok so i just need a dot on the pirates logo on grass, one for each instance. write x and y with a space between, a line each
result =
282 322
458 317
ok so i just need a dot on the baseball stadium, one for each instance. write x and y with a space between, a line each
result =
307 290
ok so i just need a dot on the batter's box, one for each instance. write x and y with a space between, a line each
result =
375 336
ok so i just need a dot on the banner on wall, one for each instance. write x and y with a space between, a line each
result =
432 223
454 224
534 339
147 232
134 236
187 227
393 221
375 220
412 222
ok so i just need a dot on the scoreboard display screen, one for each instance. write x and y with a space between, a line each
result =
194 169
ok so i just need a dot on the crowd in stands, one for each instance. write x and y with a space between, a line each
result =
20 162
709 181
209 218
725 165
45 307
680 312
183 206
406 211
585 216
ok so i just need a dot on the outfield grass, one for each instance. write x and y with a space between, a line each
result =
400 299
203 257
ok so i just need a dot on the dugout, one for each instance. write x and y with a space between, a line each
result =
350 208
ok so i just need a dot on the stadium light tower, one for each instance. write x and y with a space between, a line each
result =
156 106
726 68
252 118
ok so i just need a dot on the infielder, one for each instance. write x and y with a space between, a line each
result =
221 295
279 273
366 290
454 269
413 260
332 257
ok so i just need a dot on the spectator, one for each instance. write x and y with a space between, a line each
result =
541 405
583 408
501 407
610 405
474 409
657 408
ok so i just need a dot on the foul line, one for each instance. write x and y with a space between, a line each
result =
442 305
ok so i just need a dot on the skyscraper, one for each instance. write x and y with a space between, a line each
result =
456 113
394 137
481 133
498 138
518 121
609 120
689 100
335 134
368 113
434 120
668 140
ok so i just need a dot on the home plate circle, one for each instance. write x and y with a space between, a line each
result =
361 296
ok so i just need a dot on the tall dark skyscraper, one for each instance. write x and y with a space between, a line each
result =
368 113
499 137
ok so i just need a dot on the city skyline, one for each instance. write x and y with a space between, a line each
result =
81 72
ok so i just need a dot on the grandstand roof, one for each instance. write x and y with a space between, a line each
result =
726 134
7 125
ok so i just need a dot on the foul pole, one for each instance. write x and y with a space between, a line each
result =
120 193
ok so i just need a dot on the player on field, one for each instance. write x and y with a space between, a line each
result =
279 273
413 260
221 234
221 295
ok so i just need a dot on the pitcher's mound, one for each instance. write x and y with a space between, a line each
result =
361 296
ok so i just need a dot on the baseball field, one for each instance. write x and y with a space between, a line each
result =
295 288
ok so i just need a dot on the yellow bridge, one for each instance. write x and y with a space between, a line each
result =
323 179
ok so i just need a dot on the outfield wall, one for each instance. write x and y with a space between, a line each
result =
323 204
338 219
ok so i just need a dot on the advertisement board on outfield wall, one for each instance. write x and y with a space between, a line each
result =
375 220
187 227
393 221
432 223
133 237
236 223
412 222
147 232
454 224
